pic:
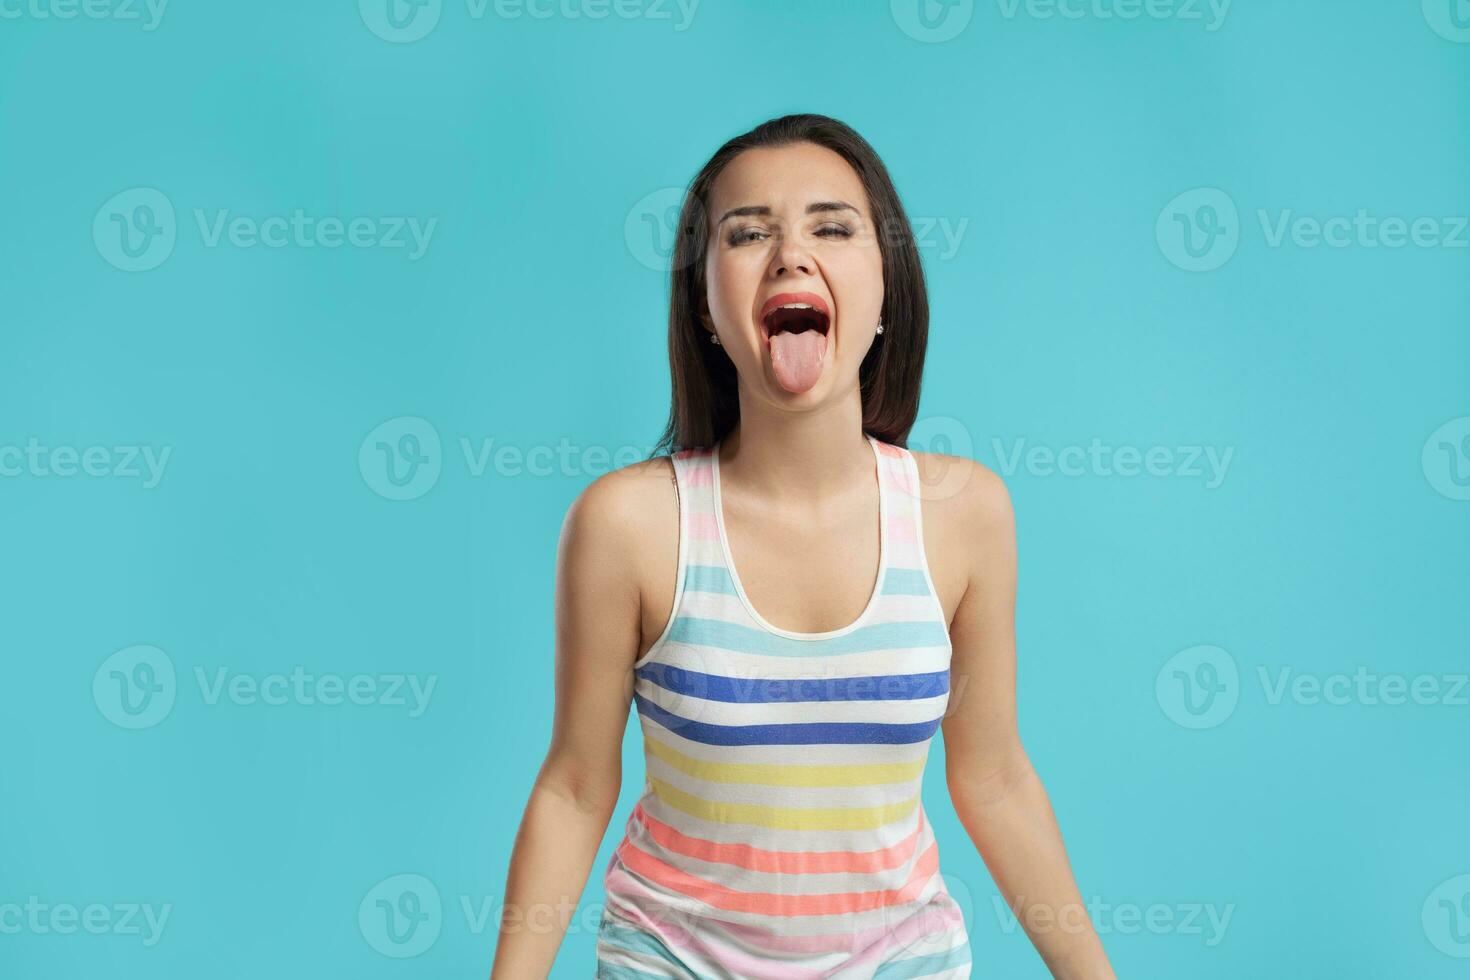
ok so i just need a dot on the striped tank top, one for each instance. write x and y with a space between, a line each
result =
780 832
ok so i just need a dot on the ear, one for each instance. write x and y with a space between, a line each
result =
704 317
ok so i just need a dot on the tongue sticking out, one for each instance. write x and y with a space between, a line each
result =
796 359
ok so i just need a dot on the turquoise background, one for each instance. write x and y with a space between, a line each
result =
1334 835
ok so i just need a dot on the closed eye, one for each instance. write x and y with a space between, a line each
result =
743 235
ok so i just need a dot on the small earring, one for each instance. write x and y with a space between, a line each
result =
714 338
880 325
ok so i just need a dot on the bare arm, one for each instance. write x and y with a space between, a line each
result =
576 790
997 794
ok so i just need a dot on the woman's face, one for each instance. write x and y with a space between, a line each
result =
793 271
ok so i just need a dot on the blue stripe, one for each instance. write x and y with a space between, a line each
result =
864 639
905 581
708 578
791 690
924 966
636 941
799 733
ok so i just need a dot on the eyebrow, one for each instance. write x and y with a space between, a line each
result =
764 211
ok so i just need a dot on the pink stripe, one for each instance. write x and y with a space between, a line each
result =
703 527
674 879
705 938
901 528
699 474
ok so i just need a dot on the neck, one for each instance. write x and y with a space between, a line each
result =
784 457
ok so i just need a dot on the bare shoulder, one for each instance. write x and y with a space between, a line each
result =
965 496
968 532
621 538
624 507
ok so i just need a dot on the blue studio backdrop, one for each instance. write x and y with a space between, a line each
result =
316 317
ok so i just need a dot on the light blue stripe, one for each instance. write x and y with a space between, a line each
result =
636 941
708 578
924 966
745 639
905 581
611 971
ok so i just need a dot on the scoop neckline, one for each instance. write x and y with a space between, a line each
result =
883 548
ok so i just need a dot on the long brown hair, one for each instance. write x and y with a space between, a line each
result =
705 405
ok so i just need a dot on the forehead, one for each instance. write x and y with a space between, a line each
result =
786 179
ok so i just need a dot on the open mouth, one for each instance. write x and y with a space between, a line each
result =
794 327
794 313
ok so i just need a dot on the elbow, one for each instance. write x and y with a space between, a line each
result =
974 788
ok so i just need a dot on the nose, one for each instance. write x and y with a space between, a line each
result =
791 256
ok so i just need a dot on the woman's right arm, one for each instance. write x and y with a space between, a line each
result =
598 634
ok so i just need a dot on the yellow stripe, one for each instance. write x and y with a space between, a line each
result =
869 774
781 817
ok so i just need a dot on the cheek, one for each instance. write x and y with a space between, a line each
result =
732 282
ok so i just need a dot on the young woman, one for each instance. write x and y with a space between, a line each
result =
795 602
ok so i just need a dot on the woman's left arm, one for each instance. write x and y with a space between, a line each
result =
997 794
